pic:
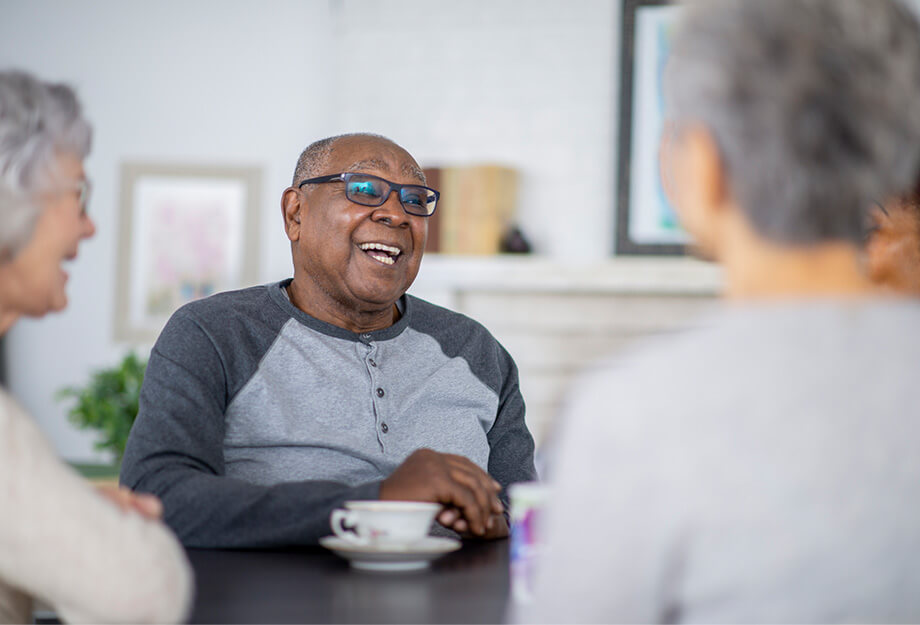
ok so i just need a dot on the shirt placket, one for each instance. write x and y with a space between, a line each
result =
378 391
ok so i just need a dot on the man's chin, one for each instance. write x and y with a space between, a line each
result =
381 295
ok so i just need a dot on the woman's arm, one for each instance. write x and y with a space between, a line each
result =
65 543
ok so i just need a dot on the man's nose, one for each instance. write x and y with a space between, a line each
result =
391 212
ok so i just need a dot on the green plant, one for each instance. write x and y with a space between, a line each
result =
108 403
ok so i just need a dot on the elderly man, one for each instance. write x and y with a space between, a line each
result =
264 409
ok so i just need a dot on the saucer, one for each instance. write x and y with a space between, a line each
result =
397 557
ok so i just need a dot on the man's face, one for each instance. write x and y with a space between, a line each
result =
335 239
893 249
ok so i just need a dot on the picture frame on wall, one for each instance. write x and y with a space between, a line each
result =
645 220
186 232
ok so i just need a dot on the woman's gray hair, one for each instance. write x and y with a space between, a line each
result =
37 121
814 105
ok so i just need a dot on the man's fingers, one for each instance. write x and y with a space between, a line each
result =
484 487
487 482
463 498
497 506
482 482
448 517
459 462
480 491
452 480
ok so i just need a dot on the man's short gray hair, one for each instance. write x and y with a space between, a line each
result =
312 161
812 103
37 121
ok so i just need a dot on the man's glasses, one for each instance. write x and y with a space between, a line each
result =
370 190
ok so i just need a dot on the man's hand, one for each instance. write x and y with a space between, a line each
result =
497 526
148 506
470 494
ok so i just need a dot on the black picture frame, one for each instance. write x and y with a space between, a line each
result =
623 242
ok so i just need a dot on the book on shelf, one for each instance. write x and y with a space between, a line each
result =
433 179
477 205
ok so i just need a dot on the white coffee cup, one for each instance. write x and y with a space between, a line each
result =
383 522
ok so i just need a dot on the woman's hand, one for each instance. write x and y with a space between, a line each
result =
148 506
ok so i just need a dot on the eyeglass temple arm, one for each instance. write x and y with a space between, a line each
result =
320 179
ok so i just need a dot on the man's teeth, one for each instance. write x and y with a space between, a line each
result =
385 254
383 258
380 246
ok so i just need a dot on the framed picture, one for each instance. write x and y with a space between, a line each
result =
186 232
646 222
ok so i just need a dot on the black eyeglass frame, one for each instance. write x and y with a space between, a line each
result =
346 177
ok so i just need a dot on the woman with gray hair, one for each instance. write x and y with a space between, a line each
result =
94 555
762 468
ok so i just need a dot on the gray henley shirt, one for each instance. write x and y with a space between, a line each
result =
256 419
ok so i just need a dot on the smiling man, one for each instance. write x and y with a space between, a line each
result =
264 409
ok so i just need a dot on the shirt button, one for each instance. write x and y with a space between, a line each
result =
371 360
384 428
366 337
380 392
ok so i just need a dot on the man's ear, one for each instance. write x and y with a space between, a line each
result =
292 207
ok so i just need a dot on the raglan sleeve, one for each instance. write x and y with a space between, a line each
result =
511 445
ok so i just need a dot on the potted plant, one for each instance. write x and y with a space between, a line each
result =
108 403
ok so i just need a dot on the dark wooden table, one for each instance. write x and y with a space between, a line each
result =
315 586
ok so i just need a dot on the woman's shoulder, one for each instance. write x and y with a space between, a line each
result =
17 430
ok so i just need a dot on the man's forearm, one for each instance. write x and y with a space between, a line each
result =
220 512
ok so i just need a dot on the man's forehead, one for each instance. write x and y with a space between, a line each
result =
367 155
406 168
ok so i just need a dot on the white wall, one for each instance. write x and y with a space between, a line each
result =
174 81
530 84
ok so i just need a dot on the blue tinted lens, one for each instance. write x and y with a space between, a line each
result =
417 200
413 197
364 191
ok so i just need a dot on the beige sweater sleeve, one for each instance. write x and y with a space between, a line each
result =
62 542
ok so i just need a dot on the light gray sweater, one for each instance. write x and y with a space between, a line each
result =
762 469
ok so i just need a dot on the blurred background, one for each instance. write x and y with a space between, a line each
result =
527 86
